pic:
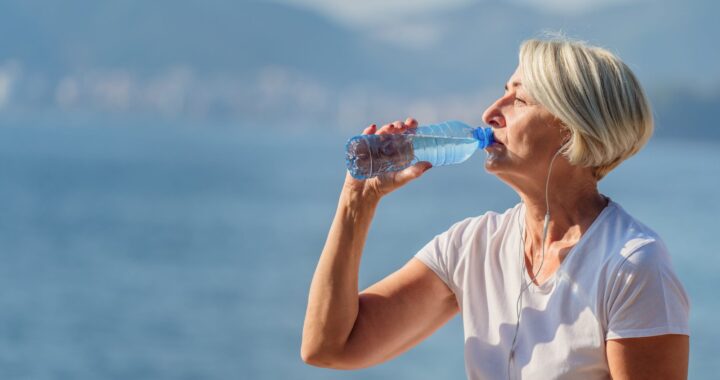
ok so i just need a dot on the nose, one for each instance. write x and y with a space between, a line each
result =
493 115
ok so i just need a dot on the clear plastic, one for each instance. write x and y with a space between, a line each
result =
447 143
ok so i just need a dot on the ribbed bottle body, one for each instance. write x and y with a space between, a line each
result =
447 143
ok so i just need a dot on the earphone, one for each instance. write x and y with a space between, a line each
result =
525 286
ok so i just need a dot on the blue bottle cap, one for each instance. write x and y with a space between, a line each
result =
484 136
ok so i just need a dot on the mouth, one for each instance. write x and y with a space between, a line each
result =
497 144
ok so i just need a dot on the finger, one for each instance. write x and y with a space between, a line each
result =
395 127
385 129
369 130
411 123
413 172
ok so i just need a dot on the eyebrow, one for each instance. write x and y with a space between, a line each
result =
513 84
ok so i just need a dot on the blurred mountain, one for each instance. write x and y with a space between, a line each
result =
145 37
273 62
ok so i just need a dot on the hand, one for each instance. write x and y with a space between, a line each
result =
385 183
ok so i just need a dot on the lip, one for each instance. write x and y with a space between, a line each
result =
495 146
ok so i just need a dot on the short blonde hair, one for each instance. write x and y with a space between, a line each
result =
594 94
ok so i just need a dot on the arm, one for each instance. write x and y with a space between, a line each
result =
345 329
647 298
655 357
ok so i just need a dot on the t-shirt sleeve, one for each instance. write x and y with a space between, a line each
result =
442 253
646 298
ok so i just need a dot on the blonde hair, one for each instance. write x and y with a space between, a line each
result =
596 97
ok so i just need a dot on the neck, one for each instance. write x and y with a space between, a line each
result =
574 203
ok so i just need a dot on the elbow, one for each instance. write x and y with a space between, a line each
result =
325 358
316 357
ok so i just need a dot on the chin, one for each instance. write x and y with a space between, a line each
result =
493 162
494 169
500 167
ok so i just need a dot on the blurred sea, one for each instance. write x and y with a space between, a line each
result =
186 253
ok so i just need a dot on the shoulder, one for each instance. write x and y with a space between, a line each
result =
642 294
627 240
628 252
473 236
488 224
467 234
448 254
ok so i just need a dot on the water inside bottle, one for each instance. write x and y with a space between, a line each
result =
370 155
443 150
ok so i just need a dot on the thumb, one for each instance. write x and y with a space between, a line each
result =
413 172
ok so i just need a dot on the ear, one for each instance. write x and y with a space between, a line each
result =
566 135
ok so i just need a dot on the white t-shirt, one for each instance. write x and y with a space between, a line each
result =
616 282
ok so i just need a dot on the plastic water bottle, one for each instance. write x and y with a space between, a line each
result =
451 142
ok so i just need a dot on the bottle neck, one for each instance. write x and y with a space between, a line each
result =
484 136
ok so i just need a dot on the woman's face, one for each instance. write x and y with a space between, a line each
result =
528 135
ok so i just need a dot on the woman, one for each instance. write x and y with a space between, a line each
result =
564 285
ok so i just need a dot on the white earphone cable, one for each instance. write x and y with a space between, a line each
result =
526 285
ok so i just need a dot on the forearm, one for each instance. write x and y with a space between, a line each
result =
333 299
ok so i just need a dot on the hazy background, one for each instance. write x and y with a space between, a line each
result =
332 64
169 169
